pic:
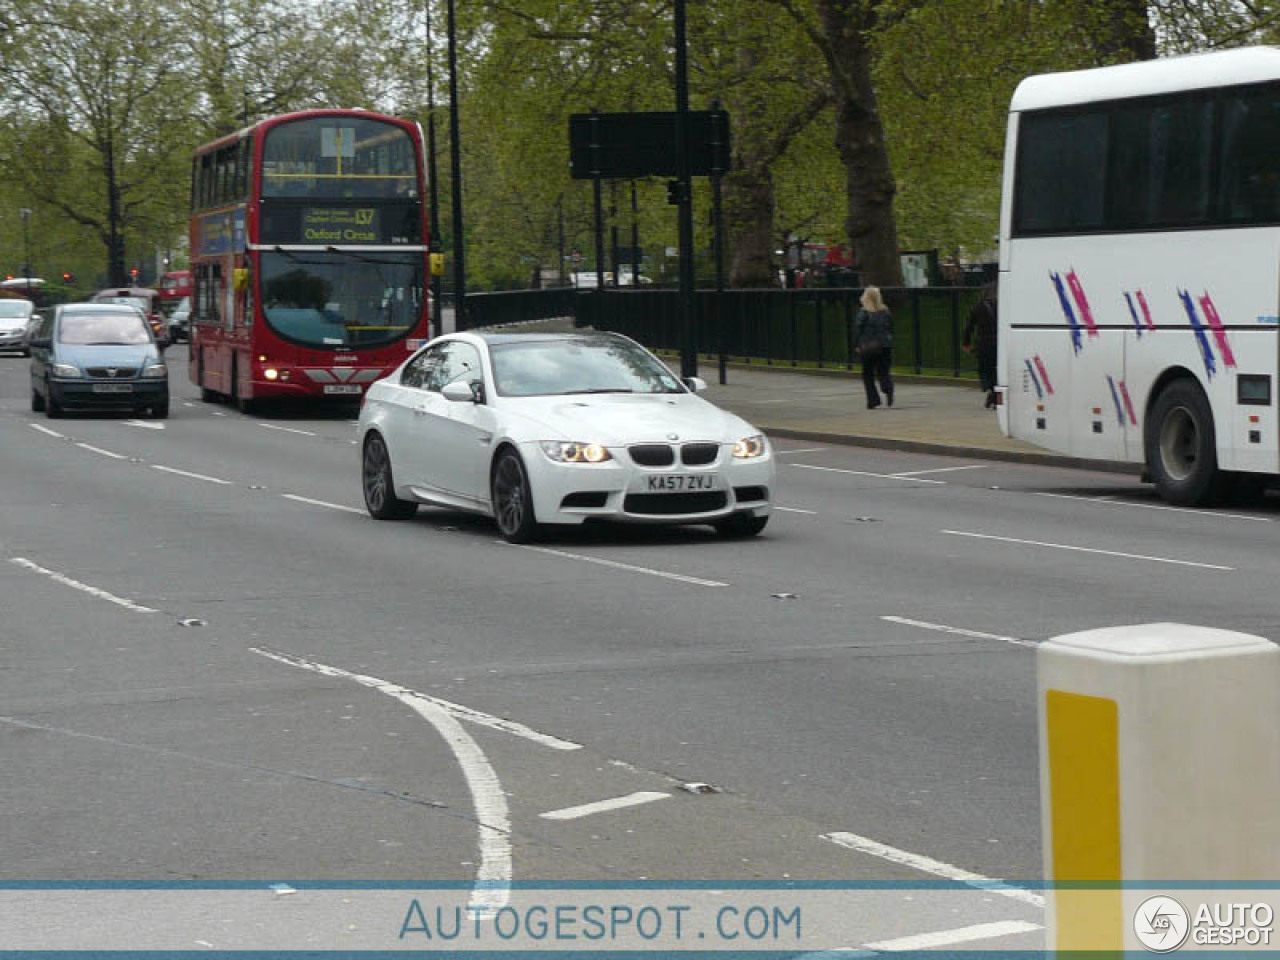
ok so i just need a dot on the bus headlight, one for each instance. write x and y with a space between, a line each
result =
271 373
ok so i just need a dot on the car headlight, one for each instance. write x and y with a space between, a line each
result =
156 370
748 448
575 452
66 370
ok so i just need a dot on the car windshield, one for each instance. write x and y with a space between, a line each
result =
342 300
142 303
15 308
554 367
103 329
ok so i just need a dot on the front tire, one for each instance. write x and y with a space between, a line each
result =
741 525
160 411
512 499
37 401
379 484
52 409
1181 446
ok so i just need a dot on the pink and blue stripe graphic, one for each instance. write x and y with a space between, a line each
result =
1202 338
1035 381
1219 331
1076 343
1124 404
1128 402
1082 302
1146 323
1044 374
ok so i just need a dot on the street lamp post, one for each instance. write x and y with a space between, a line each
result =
25 213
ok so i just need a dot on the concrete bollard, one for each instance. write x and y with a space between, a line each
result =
1159 762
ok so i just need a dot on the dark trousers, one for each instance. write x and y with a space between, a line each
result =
987 368
873 369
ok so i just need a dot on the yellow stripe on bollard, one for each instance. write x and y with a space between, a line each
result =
1084 796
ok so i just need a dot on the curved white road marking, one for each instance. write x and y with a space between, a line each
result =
1107 553
66 581
493 878
935 867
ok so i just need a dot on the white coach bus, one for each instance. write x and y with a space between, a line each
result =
1140 269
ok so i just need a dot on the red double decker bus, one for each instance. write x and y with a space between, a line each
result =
308 256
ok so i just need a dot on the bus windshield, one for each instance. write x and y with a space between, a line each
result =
335 158
341 300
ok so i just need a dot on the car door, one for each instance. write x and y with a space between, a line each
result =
40 355
404 402
456 435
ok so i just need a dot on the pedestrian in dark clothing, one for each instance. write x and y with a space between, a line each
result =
873 342
980 337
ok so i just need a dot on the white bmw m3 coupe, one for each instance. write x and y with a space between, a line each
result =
536 429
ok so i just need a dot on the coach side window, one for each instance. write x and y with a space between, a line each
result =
1250 179
1060 174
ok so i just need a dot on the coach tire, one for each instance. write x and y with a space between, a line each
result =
1181 446
379 483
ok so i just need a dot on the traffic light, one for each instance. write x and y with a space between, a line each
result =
67 276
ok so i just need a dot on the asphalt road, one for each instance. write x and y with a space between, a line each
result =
209 657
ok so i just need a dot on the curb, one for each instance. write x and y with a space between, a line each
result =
950 450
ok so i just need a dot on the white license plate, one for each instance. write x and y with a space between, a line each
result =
113 388
342 388
680 482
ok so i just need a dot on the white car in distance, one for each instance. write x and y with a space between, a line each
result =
538 428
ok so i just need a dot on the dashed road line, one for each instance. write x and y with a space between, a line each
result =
916 473
960 631
324 503
1110 501
801 450
603 806
187 473
45 430
1107 553
105 453
865 473
273 426
812 513
631 568
494 875
937 868
946 938
144 424
66 581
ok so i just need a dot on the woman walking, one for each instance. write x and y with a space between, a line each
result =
873 342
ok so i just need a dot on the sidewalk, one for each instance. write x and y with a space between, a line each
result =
928 416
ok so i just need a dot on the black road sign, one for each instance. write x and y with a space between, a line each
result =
625 146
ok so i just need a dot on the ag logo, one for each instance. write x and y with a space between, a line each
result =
1161 924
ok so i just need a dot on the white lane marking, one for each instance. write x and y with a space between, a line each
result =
864 473
960 631
46 430
459 712
187 403
801 450
1157 506
188 473
623 566
1108 553
105 453
144 424
272 426
934 867
84 587
813 513
785 400
602 806
324 503
493 877
916 473
218 413
943 938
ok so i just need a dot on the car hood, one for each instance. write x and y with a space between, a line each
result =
619 419
101 355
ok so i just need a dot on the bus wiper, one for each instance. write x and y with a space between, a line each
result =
373 260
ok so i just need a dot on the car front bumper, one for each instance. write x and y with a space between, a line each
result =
91 393
618 490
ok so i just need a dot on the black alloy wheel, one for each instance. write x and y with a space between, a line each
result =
379 485
512 499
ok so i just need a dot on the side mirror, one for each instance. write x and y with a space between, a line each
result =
40 343
695 384
459 391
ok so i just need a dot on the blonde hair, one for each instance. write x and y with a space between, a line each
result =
872 300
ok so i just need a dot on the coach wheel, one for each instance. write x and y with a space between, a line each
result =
1181 449
379 485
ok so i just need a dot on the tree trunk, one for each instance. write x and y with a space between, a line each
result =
115 232
749 207
870 222
1126 32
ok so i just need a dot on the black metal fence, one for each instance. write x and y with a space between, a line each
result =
807 327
